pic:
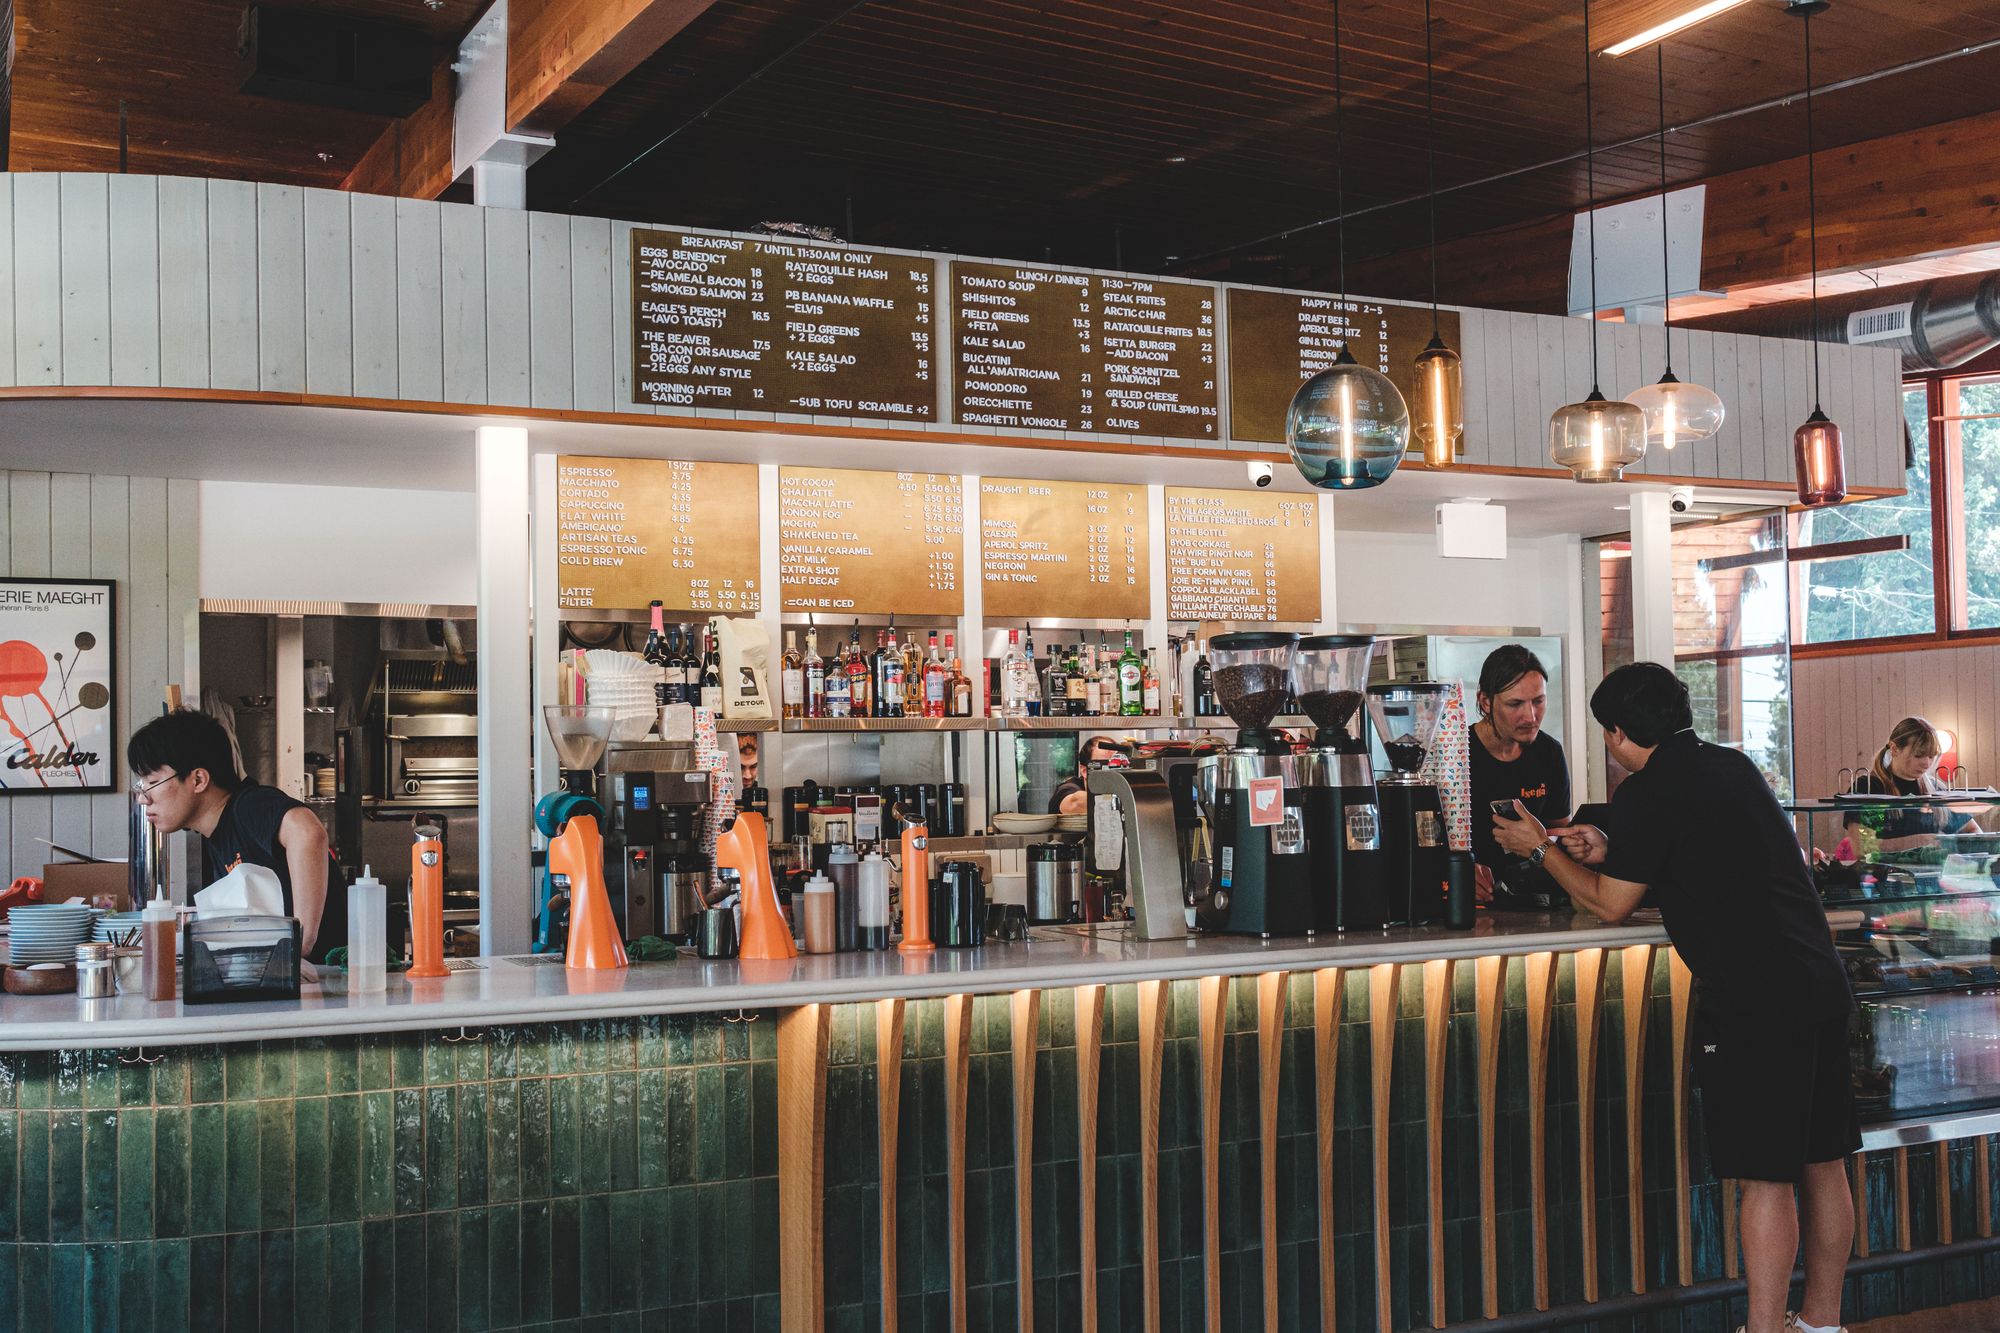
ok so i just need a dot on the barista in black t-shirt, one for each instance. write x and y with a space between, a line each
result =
1697 830
1513 759
184 773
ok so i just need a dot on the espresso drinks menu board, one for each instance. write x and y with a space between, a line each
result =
1242 555
770 325
632 531
870 542
1063 548
1040 349
1279 340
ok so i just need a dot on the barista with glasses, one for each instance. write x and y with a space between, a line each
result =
1513 759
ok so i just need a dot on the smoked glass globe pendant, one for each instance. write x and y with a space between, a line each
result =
1347 427
1597 439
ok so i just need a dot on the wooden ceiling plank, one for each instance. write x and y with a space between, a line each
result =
562 55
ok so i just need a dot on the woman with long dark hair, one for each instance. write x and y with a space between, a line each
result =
1513 759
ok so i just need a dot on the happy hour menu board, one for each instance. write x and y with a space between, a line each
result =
627 534
1063 548
1049 349
1278 340
1242 555
770 325
870 542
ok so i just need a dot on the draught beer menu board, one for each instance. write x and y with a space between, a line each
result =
870 542
1063 548
1242 555
1042 349
772 325
1278 340
630 531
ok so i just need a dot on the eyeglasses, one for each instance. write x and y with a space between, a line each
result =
141 789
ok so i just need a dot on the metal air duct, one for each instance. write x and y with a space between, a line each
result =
1937 325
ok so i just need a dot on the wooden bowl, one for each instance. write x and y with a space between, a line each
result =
41 980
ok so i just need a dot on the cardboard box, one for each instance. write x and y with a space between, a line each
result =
64 880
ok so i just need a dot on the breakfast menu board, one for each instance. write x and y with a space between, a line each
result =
870 542
1279 340
765 324
1063 548
631 531
1242 555
1041 349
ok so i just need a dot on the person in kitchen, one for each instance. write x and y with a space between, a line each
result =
184 773
1073 797
1513 759
1907 766
1696 831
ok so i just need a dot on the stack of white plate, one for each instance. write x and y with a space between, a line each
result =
47 932
116 925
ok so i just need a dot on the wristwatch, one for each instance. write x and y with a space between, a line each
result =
1540 854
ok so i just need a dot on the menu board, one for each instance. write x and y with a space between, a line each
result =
1242 555
870 542
1279 340
1063 548
770 325
627 534
1039 349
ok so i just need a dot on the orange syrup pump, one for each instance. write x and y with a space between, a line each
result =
745 847
427 903
569 819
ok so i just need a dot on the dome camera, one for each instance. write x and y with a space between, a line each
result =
1261 474
1680 499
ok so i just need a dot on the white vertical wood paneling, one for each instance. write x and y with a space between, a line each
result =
1621 368
1496 421
135 280
591 351
1846 705
1552 371
508 362
1713 362
329 269
111 558
182 572
183 283
463 230
621 324
419 301
550 355
372 230
232 284
1478 397
1530 422
28 540
37 279
70 532
1777 437
86 279
281 288
1746 456
1577 335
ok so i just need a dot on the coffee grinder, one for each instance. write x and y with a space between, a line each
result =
1350 869
575 886
1413 833
1262 877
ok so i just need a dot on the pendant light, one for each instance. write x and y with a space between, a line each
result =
1817 449
1440 419
1596 439
1347 426
1676 412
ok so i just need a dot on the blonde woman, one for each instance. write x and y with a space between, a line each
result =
1907 766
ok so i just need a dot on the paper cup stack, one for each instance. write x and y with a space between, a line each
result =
47 932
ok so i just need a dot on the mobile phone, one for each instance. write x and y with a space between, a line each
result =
1505 810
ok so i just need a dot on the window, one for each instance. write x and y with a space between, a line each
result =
1732 643
1972 465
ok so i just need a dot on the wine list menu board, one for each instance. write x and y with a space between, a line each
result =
1041 349
1279 340
870 542
771 325
1063 548
631 531
1242 555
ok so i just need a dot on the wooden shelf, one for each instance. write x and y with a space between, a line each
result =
794 724
739 724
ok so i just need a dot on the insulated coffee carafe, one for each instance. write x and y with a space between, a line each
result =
1343 819
1413 834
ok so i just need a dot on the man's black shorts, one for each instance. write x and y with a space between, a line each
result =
1774 1097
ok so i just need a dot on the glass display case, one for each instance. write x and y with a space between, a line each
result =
1912 890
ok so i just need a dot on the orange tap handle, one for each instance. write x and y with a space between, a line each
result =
427 907
578 854
916 890
745 849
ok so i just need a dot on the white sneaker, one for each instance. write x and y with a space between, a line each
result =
1792 1321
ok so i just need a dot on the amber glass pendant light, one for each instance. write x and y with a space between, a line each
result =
1818 453
1676 412
1440 417
1347 426
1598 438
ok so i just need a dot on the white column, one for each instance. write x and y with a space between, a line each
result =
1652 579
548 614
506 714
288 697
481 143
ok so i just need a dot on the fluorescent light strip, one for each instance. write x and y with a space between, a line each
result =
1699 14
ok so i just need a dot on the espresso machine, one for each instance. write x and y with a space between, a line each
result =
657 867
1413 832
1261 880
1350 867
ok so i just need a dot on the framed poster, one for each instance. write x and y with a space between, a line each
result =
58 721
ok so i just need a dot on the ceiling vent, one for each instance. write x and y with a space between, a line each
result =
325 59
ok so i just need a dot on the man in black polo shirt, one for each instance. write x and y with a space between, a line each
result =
1696 830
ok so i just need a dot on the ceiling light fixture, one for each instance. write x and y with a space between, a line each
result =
1668 27
1440 422
1595 439
1347 426
1674 411
1817 448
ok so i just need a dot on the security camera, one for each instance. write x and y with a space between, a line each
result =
1260 474
1680 499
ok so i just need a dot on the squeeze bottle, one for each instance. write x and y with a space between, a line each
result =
367 934
157 931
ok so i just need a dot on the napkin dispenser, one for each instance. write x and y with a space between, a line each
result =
233 958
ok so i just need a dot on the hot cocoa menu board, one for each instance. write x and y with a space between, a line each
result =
1063 548
630 531
870 542
1242 555
1278 340
769 325
1038 349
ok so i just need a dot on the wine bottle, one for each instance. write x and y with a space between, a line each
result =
1131 681
794 676
656 653
711 674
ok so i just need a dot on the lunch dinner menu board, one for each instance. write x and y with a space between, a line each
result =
871 543
1063 549
1242 555
630 531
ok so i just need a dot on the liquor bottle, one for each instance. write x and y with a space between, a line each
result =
794 669
1176 701
690 666
1204 687
1093 685
1149 686
958 687
1131 681
838 684
1016 675
861 696
815 670
1032 679
913 674
711 674
1107 679
656 653
887 669
937 680
1055 684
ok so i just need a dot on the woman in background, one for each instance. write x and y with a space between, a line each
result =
1907 766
